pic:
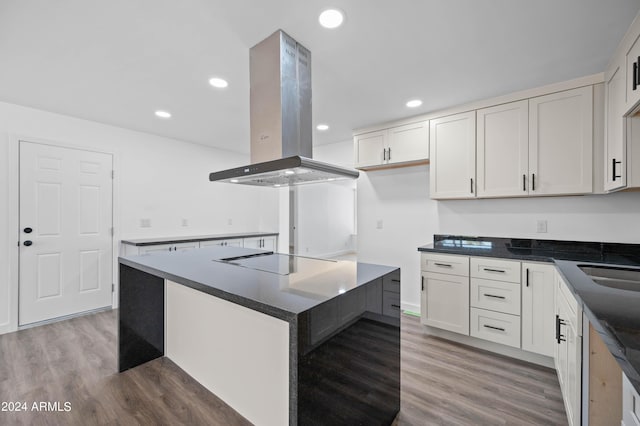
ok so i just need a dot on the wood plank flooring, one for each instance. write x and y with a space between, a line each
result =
74 361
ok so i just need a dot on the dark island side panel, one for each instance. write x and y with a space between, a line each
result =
141 318
349 358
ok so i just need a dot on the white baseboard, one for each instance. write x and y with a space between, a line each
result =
410 307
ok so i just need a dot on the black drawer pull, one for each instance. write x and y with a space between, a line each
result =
493 328
495 297
394 280
395 306
494 270
559 336
445 265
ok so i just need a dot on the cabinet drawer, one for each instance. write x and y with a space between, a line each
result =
496 327
495 296
391 282
446 264
495 269
391 304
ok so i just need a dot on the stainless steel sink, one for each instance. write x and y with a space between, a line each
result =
614 277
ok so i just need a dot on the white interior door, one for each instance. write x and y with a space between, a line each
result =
66 258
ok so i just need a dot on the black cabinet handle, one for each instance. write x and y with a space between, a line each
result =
384 154
389 154
527 280
28 230
28 243
495 297
444 265
493 328
395 306
494 270
422 283
635 75
524 182
533 181
559 322
471 185
394 280
613 166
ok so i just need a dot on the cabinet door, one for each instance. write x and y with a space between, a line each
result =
503 150
452 147
369 148
561 143
445 302
158 248
633 71
186 246
630 403
269 243
408 143
538 318
253 242
263 243
615 164
235 242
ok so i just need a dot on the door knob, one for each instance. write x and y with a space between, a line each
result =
28 243
28 230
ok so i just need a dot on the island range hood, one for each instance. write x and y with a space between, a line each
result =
281 127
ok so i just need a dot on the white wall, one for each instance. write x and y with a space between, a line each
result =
157 178
326 211
400 199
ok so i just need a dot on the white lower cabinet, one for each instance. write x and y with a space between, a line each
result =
630 404
538 308
568 350
168 247
445 302
263 243
234 242
495 327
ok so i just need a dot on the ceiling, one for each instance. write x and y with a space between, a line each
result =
118 61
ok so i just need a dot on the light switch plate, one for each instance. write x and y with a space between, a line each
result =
145 223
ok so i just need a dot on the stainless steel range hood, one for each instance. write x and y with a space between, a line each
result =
281 127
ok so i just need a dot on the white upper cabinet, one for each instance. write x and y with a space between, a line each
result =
632 60
502 150
453 156
369 148
561 143
615 165
408 144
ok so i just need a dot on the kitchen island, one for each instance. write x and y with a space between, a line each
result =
282 339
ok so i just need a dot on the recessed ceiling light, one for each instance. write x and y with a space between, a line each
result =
414 103
322 127
331 18
163 114
289 172
218 82
234 181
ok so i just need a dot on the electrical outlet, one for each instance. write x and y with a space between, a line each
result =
185 222
145 223
379 224
542 226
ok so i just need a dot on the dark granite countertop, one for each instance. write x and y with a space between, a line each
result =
614 313
272 293
193 238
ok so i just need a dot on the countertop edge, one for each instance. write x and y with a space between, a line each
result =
139 242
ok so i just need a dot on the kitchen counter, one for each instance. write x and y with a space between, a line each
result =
194 238
327 317
614 313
